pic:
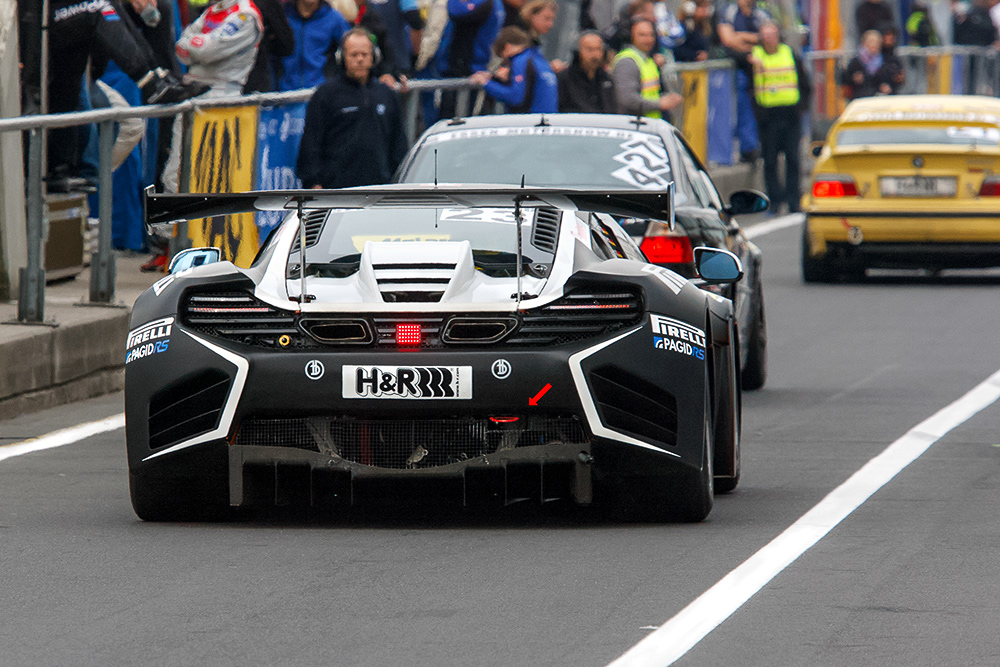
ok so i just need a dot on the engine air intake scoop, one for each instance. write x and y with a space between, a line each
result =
441 267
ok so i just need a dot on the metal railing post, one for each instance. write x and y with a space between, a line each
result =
179 240
102 265
462 102
410 114
31 301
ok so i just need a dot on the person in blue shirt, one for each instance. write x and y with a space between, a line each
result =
318 28
738 28
473 25
404 28
525 83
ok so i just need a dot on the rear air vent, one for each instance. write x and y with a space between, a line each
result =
314 221
472 330
631 405
583 313
237 316
545 233
338 331
187 408
418 282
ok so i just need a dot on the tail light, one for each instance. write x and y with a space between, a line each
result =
668 249
990 186
408 334
834 185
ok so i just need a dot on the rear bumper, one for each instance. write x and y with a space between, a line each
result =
905 239
292 439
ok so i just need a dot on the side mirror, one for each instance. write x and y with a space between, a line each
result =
744 202
192 257
816 148
717 266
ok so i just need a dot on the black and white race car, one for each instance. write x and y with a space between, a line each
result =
479 346
604 151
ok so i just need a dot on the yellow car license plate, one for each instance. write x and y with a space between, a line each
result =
918 186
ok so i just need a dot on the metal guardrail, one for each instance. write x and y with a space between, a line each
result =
31 301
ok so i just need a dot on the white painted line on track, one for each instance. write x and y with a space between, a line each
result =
682 632
774 224
66 436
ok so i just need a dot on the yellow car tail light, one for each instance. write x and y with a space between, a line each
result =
834 185
990 186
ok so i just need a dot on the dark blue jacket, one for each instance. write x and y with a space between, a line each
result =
467 41
316 39
532 87
353 135
399 17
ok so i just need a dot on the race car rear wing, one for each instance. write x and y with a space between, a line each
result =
171 208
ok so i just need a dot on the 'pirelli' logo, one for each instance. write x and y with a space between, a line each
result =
668 326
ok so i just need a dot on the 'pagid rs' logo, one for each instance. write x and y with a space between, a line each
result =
407 382
149 339
676 336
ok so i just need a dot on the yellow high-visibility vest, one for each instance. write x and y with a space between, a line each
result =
775 81
649 76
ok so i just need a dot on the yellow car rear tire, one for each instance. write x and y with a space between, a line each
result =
815 269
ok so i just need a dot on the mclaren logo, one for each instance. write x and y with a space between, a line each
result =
407 382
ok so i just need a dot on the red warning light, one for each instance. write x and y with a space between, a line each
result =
408 334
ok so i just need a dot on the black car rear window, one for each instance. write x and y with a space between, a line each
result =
544 157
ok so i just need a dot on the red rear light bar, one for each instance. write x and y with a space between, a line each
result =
408 334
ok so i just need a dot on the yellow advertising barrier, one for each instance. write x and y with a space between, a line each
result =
694 123
223 146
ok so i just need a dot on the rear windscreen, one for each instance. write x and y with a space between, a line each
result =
544 157
958 135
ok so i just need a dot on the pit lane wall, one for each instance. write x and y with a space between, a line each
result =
13 241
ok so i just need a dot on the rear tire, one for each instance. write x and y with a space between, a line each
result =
694 501
814 269
728 418
755 372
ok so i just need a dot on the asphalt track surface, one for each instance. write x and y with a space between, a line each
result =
908 578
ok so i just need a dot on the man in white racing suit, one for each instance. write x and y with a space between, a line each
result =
219 49
221 45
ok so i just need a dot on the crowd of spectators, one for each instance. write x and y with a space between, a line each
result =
157 51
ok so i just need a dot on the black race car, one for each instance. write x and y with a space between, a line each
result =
488 346
600 151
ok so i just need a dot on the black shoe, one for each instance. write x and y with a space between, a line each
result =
749 157
166 88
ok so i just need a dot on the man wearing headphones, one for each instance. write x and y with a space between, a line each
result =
354 125
585 86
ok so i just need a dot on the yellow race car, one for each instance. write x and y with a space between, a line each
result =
905 181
